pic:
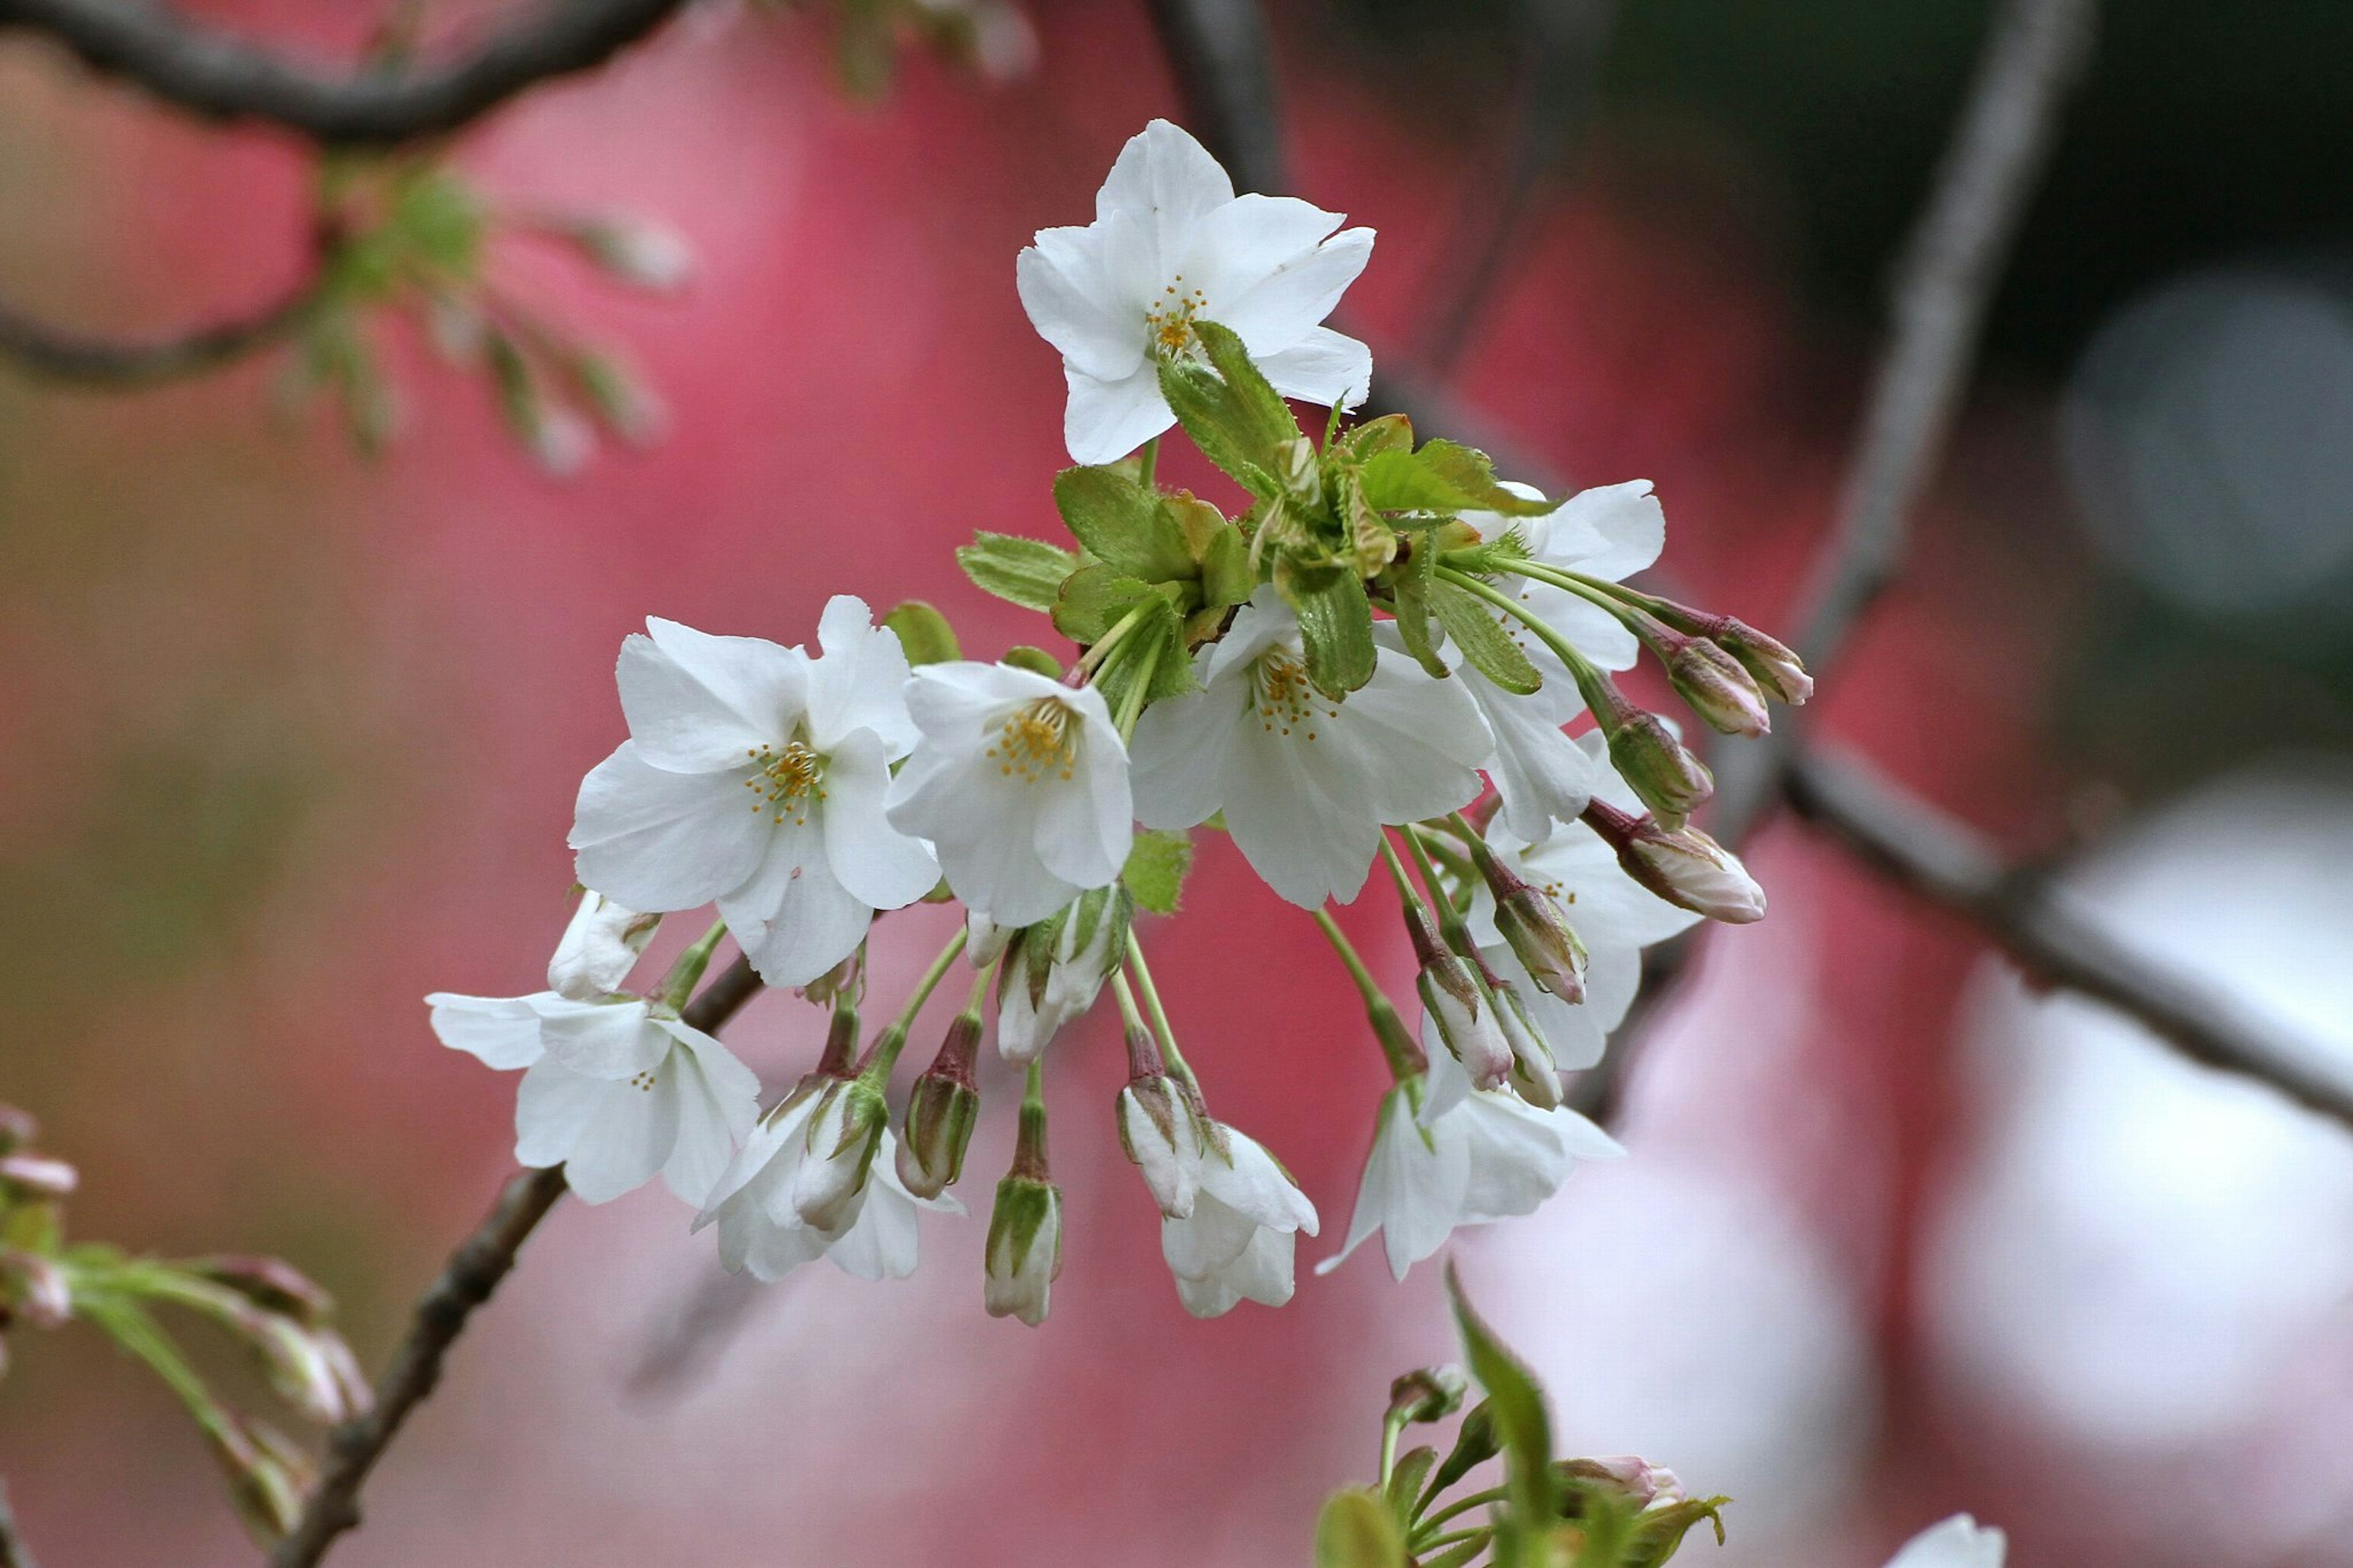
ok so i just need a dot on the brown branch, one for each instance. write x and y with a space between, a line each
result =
1952 867
215 76
1223 59
14 1552
117 363
473 1272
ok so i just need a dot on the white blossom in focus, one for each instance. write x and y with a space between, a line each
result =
1019 783
1959 1542
1305 781
599 950
1491 1156
754 776
1171 245
760 1225
1238 1243
611 1091
1608 533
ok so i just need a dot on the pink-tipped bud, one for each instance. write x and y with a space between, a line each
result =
1635 1479
272 1284
39 1176
598 949
1535 1073
1536 928
1671 781
267 1476
1161 1137
1449 994
1024 1249
1428 1394
1723 693
1774 664
941 1112
34 1287
844 1132
1682 866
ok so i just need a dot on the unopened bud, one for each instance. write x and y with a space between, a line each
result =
598 949
1723 693
619 396
843 1134
1059 971
1024 1249
941 1112
638 251
983 939
268 1476
1157 1130
1637 1480
1538 933
1428 1393
1671 781
270 1283
39 1176
36 1289
1684 866
1774 664
1534 1071
311 1368
1449 994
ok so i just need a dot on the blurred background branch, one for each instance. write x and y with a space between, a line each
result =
13 1551
89 360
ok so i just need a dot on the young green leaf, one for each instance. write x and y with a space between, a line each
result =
1123 523
1156 868
1409 588
1489 647
1357 1532
923 633
1257 401
1212 417
1092 599
1389 433
1028 571
1518 1406
1336 623
1035 659
1442 478
1404 1490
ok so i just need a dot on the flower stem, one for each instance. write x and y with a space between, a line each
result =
1131 705
1367 987
687 972
1391 1426
1160 1029
1589 683
1093 657
1148 462
892 1040
1398 1048
1406 891
1462 1506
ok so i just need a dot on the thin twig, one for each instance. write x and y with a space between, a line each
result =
1917 847
14 1552
216 76
1223 58
1568 41
87 360
474 1270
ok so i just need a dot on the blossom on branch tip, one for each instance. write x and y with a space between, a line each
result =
612 1092
1020 784
755 778
1305 781
1171 245
1238 1243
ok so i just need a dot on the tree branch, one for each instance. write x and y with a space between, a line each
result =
474 1272
1223 59
1919 848
13 1553
114 363
215 76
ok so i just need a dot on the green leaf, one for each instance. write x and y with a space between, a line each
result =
1156 868
1357 1532
1409 589
1256 401
1517 1404
1023 656
1335 622
1404 1490
1123 523
1092 599
1460 1553
1028 571
923 633
1372 542
1488 647
1389 433
1442 478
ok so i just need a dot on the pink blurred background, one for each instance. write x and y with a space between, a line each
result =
288 739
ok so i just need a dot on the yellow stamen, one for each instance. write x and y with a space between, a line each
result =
1040 738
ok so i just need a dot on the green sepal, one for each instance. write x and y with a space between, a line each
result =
1037 660
1357 1530
1488 647
923 633
1023 1207
1336 625
1122 525
1155 869
1409 591
1156 645
1476 1441
1659 1532
1026 572
1443 478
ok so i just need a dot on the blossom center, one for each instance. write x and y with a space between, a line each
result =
1171 318
1284 699
789 781
1038 739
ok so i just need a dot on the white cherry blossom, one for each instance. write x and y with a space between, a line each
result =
599 948
1305 782
611 1091
1019 783
1171 245
1959 1542
754 776
1491 1156
760 1224
1238 1243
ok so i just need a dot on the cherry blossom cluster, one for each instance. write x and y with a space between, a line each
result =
1377 659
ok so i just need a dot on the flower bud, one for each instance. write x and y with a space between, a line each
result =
1671 781
1430 1394
1059 971
270 1283
843 1134
1450 993
1157 1130
38 1175
941 1112
1024 1249
1718 690
1637 1480
311 1368
1684 867
268 1476
983 939
638 252
36 1289
1539 934
599 950
1774 666
1534 1072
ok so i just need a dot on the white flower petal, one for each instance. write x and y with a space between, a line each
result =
709 1119
1516 1158
503 1031
1182 749
1238 246
696 702
660 840
1166 177
792 917
860 682
1066 286
1295 298
1611 532
628 1137
1106 420
1323 367
879 864
1958 1543
553 1109
608 1040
